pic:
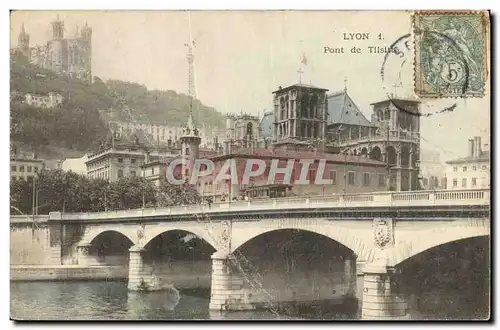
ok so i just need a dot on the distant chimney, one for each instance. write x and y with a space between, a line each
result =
477 146
471 148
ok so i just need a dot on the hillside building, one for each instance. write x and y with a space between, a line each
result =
49 100
64 55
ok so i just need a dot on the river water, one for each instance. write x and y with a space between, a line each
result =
110 300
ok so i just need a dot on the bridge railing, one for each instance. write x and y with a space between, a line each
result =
28 218
377 199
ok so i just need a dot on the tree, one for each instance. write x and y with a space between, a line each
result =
130 193
172 195
20 197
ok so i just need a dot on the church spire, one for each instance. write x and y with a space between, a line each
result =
23 40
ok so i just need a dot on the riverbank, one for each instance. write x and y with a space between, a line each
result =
67 273
35 273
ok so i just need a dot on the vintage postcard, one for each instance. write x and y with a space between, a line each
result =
250 165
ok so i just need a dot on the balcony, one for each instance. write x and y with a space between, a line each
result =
395 135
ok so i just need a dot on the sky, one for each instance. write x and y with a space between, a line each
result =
241 57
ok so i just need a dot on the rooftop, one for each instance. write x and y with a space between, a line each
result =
267 125
343 110
397 99
483 157
300 85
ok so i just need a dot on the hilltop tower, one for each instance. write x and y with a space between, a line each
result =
57 45
86 40
23 42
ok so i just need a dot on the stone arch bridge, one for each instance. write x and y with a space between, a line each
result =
381 229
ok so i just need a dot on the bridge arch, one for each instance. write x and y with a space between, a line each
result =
441 236
93 233
340 235
152 233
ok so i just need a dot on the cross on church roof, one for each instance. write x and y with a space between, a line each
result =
300 72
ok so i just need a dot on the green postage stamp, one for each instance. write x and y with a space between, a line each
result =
451 53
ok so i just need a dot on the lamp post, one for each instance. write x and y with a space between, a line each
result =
388 180
33 207
337 132
144 194
106 199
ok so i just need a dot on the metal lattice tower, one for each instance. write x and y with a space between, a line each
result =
190 59
191 83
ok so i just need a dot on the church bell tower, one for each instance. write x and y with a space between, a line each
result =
190 146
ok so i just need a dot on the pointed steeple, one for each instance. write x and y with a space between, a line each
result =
23 40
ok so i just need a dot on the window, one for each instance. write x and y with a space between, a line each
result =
35 169
474 182
333 177
464 183
455 183
351 178
132 161
120 173
120 160
455 169
381 180
21 168
132 173
484 167
311 175
28 168
13 168
464 169
474 168
152 170
366 179
13 178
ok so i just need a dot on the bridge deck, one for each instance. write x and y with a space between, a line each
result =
404 204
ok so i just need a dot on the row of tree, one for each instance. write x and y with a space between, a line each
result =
56 190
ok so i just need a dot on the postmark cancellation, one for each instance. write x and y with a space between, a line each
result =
451 53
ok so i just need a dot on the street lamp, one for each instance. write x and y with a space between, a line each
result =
337 132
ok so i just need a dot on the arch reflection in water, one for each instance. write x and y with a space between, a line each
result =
141 304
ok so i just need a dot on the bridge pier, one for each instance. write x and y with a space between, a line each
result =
138 277
83 254
350 277
226 292
380 299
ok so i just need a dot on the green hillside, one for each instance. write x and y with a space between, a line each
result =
80 122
